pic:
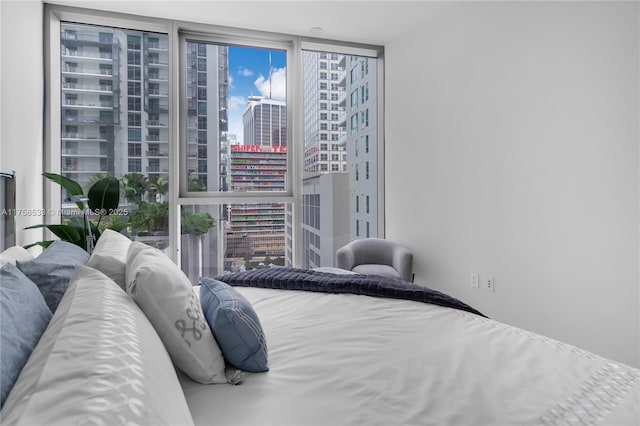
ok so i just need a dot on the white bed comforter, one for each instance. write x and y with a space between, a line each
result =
359 360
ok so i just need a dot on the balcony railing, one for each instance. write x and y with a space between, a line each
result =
82 55
75 36
156 139
157 169
157 61
87 70
156 123
84 119
84 152
156 154
101 104
158 46
157 92
81 136
342 99
88 87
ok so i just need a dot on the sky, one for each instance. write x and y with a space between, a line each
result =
249 75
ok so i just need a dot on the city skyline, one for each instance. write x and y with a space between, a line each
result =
116 117
249 76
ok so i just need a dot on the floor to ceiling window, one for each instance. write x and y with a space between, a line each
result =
114 118
232 151
337 89
234 154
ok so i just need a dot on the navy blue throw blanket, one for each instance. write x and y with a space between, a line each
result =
367 285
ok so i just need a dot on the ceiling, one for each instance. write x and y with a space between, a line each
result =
361 21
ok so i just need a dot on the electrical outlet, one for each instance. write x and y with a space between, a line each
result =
475 280
490 284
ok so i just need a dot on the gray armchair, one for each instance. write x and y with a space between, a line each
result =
376 256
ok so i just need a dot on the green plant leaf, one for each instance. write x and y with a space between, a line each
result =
44 244
78 223
197 223
115 223
70 185
64 232
104 195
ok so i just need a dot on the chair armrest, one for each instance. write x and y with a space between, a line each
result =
345 258
403 262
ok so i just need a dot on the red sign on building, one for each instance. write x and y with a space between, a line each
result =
257 148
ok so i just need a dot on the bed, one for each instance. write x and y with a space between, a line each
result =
341 349
342 358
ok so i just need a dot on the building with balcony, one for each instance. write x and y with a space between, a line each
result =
256 230
340 140
114 103
207 88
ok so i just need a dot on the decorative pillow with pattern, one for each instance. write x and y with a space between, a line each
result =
235 325
166 296
52 269
99 362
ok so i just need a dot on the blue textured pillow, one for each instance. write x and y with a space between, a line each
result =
23 318
52 270
235 325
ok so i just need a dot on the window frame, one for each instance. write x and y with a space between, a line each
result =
55 15
176 32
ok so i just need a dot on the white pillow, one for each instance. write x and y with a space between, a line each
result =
99 361
110 255
13 254
165 295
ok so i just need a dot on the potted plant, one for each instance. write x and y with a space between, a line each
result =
101 201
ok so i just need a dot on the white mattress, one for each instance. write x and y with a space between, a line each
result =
358 360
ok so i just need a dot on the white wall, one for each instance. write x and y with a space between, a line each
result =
512 135
512 150
21 103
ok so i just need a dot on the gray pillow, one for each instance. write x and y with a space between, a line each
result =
24 316
52 270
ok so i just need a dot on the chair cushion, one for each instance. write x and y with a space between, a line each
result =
380 270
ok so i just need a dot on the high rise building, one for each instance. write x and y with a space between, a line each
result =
324 148
115 117
265 122
207 88
256 229
114 102
340 155
360 78
325 183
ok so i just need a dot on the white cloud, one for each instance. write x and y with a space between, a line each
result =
277 87
237 129
237 103
245 72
